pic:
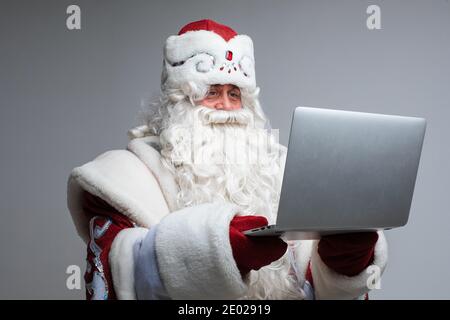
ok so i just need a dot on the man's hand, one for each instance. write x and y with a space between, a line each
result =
253 253
349 253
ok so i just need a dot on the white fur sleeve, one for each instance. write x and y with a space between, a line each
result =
194 253
329 284
133 264
122 261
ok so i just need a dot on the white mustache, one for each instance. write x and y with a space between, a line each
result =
213 116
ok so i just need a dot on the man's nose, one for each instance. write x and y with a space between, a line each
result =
224 103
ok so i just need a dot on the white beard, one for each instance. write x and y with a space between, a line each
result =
222 156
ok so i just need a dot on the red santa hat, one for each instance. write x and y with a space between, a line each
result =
205 52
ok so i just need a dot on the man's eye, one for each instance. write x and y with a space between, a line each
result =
235 95
212 93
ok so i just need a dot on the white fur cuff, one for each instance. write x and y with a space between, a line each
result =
194 254
329 284
121 260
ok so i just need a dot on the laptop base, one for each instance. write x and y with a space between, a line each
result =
274 231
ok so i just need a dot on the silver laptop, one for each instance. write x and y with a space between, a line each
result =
346 172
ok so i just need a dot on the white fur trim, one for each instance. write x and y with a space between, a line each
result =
122 180
194 253
200 55
138 132
301 255
144 149
121 261
328 284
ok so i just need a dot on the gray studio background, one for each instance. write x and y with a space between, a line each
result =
66 96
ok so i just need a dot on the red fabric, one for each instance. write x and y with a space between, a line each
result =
348 254
308 275
98 248
253 253
209 25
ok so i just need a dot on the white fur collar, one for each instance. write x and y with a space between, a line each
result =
147 149
133 181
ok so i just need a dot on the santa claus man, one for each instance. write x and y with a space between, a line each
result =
164 219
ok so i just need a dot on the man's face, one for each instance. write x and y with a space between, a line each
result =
222 97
